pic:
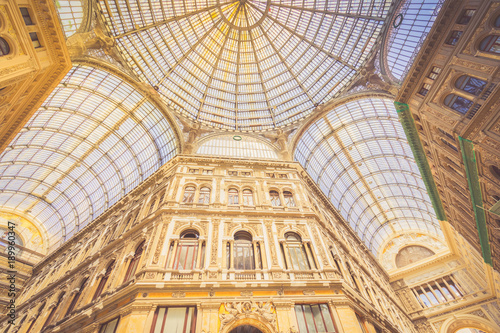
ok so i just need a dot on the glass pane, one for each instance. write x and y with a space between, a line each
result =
318 318
309 319
175 320
110 327
327 317
299 312
159 320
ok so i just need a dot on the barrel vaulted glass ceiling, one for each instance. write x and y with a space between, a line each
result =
359 156
93 140
411 23
245 65
241 146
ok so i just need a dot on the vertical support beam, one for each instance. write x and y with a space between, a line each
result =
469 158
411 132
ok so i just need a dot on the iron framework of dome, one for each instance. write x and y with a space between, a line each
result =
245 65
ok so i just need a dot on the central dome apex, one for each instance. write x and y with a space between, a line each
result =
245 65
244 14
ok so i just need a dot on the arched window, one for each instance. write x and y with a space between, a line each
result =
470 84
4 47
132 267
187 250
353 276
152 205
289 201
53 311
243 251
336 260
490 44
247 197
40 309
458 103
297 256
204 196
104 279
275 198
76 296
233 197
189 194
410 254
495 171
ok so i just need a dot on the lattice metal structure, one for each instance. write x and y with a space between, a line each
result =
245 65
239 146
358 155
410 25
70 14
93 140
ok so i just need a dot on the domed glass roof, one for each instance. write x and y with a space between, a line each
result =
245 65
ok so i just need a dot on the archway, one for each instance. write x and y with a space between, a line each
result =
245 329
457 323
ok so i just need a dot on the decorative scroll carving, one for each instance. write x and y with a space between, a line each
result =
269 229
215 233
236 310
156 256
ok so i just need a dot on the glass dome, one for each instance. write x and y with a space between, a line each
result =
245 65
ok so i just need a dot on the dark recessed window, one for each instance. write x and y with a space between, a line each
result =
495 171
458 103
470 84
4 47
454 37
26 16
34 40
425 89
110 326
466 16
434 72
490 44
497 22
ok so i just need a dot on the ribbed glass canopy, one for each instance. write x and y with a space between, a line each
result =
70 14
238 146
358 155
245 65
411 23
93 140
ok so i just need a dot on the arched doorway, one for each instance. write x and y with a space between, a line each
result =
245 329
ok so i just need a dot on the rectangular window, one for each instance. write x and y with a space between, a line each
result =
174 320
466 16
314 318
233 173
208 172
193 170
425 89
34 40
110 326
454 37
26 16
271 175
246 173
283 175
434 72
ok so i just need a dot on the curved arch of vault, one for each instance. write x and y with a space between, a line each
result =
359 156
93 140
